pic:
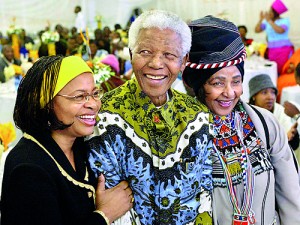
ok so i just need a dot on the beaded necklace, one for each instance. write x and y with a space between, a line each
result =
243 215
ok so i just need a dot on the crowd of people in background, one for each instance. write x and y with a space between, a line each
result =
67 41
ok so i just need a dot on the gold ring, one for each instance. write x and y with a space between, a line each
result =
132 200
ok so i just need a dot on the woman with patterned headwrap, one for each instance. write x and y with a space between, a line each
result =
46 177
253 169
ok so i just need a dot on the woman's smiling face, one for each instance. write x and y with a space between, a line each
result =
223 90
82 115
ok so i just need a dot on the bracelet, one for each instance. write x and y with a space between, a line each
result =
296 117
103 215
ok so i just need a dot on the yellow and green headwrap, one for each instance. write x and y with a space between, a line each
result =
71 67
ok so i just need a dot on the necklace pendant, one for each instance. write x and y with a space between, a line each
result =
251 218
240 219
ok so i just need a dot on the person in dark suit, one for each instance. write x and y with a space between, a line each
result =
6 60
47 179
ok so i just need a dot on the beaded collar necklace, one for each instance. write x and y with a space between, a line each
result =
243 215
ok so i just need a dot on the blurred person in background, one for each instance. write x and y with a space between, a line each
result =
9 65
243 32
263 93
280 48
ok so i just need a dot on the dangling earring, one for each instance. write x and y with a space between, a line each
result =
49 124
179 75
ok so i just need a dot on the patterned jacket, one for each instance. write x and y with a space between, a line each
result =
162 152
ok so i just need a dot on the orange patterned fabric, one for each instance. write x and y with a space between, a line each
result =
287 77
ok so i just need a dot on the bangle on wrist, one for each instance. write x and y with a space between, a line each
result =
297 116
103 215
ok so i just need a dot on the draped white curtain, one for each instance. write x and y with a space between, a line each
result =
35 15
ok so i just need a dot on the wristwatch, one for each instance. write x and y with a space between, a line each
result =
297 116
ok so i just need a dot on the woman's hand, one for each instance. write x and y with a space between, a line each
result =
261 18
262 15
267 17
113 202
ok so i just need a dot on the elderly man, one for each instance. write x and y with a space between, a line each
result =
156 138
9 66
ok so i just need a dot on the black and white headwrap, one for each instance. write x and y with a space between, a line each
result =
216 44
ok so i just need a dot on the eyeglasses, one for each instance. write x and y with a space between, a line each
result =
85 97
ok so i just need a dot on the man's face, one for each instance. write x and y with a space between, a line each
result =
8 53
156 60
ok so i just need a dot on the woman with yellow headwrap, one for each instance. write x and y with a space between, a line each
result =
46 177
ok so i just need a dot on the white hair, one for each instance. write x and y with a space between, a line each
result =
163 20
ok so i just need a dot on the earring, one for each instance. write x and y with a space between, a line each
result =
49 124
179 75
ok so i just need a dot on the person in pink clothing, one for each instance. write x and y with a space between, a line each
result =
280 47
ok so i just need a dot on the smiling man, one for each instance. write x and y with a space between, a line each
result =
156 138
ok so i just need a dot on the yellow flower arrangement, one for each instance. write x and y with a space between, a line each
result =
256 48
12 70
29 46
50 37
1 150
13 30
98 19
7 135
102 72
9 72
17 69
